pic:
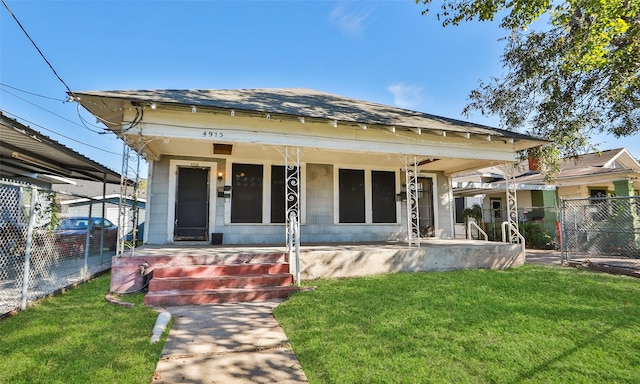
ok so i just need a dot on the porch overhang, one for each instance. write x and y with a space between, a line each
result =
190 122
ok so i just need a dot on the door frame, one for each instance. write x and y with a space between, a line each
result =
213 187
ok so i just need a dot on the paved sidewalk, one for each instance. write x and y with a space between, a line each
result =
227 343
543 256
616 266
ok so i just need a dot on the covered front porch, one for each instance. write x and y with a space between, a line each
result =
132 271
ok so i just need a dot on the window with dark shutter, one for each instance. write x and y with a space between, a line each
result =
383 196
246 189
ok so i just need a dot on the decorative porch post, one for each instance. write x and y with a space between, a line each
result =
292 190
512 202
292 207
413 215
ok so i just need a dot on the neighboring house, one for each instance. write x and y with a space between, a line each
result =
612 172
230 165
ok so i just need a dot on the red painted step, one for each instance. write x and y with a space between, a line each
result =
171 298
219 279
220 270
217 282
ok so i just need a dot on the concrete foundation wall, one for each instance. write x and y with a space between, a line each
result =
361 262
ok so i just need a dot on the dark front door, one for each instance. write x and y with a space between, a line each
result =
192 204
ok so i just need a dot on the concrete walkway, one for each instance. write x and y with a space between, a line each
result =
227 343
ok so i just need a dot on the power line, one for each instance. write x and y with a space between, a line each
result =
36 46
61 135
84 125
31 93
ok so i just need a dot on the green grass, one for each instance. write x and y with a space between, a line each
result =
532 324
78 337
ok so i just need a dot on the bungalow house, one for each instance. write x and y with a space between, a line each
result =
230 166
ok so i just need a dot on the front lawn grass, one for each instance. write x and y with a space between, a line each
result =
531 324
78 337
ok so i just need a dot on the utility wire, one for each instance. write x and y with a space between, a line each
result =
55 114
36 46
31 93
61 135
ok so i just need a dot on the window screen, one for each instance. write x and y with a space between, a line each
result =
278 191
351 196
246 202
459 209
383 196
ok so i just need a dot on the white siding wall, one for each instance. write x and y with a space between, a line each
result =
319 226
156 223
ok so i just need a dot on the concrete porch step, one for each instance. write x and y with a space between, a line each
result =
218 282
202 271
215 296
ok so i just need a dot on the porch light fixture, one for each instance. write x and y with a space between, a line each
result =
193 109
233 112
154 105
220 176
393 129
268 116
301 119
363 126
334 123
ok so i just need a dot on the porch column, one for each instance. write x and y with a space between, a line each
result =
291 158
292 185
512 202
413 214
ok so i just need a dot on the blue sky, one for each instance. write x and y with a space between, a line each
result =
381 51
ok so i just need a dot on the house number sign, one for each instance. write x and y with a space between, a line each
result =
213 134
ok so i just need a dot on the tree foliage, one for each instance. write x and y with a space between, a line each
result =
576 76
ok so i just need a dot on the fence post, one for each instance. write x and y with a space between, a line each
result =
28 247
87 244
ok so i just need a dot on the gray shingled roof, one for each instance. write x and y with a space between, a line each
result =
306 103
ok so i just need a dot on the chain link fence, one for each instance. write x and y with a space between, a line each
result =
50 241
601 227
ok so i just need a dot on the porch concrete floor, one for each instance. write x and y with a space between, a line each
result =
195 248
